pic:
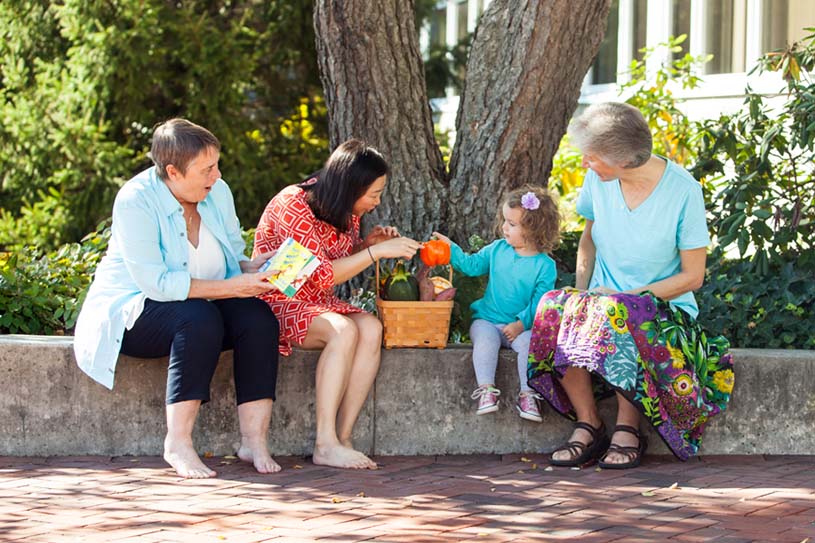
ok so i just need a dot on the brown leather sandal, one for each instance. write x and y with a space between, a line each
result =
583 453
634 454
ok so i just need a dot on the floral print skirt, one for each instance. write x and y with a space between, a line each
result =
656 356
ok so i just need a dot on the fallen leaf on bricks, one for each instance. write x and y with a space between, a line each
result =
230 457
336 500
525 459
360 494
297 466
534 466
208 454
648 493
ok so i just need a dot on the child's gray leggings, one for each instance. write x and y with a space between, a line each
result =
487 340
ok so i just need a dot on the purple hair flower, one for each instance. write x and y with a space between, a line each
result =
530 201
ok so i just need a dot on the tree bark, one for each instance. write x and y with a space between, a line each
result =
524 74
373 79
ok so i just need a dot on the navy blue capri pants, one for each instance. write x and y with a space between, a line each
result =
194 332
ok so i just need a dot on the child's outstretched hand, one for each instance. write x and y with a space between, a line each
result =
443 238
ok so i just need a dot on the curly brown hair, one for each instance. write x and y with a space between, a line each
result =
541 225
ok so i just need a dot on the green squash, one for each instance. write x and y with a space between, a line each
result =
401 286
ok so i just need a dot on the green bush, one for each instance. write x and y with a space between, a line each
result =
84 82
756 310
43 293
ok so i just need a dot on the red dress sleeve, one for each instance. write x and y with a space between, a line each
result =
288 215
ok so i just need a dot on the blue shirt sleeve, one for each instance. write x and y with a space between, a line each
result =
545 282
692 230
474 264
585 202
138 236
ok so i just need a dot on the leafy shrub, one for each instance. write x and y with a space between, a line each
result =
752 310
43 293
762 162
76 110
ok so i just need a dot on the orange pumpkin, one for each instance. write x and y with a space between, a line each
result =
435 253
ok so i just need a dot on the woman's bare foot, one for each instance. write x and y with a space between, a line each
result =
257 453
184 460
339 456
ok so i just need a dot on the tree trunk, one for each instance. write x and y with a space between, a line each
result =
373 79
524 73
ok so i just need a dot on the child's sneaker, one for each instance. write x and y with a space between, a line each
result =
487 397
527 406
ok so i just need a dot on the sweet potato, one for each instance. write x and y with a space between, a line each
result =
446 294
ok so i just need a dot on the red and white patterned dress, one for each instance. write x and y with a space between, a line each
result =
289 215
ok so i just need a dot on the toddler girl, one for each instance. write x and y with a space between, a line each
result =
520 272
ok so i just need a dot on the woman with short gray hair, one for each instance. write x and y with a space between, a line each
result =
628 327
175 282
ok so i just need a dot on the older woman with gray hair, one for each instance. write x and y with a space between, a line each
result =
628 327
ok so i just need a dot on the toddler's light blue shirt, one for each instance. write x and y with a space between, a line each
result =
639 247
516 283
148 254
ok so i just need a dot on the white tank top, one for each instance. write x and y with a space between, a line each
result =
207 260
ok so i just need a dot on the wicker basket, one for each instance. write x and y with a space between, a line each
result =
414 324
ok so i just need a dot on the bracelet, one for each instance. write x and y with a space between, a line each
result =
371 255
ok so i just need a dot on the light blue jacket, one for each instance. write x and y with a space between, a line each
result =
148 254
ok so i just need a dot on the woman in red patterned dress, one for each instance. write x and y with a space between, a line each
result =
323 214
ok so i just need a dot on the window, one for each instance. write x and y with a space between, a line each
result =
784 22
640 22
604 69
681 24
438 28
462 20
725 34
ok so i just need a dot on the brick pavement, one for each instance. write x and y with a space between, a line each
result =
415 499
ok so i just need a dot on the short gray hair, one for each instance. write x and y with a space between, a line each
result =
178 142
617 133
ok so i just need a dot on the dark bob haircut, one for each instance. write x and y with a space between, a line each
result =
346 176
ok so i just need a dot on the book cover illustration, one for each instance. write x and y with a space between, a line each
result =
295 263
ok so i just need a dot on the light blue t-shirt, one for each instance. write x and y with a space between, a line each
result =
516 283
639 247
148 256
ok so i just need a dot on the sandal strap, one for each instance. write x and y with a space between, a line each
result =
574 448
594 432
630 453
627 429
623 449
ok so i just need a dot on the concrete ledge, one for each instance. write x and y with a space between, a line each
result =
420 405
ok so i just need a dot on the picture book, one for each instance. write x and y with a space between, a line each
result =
295 263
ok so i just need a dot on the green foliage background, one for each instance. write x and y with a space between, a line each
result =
84 82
